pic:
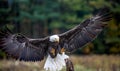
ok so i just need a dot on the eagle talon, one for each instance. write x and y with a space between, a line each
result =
62 50
52 51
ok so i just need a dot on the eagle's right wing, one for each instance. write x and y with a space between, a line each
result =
85 32
21 47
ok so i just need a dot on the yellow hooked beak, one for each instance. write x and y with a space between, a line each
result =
56 40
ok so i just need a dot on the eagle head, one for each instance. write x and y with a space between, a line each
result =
54 38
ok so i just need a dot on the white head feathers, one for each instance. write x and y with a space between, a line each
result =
54 38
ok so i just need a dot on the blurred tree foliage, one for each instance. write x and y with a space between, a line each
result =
39 18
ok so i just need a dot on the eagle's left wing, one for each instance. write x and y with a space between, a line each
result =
85 32
21 47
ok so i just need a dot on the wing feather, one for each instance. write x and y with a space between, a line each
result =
85 32
21 47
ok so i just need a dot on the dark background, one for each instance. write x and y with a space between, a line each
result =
40 18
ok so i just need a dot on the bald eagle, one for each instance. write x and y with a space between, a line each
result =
26 49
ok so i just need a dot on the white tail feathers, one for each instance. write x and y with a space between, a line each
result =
55 64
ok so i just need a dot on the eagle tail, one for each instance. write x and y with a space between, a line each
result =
55 64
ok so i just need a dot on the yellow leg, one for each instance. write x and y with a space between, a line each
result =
52 51
62 50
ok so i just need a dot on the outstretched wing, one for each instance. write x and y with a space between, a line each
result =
21 47
85 32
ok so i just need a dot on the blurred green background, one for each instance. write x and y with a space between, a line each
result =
40 18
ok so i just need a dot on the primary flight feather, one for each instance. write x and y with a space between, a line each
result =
23 48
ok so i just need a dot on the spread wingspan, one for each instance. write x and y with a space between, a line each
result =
21 47
85 32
